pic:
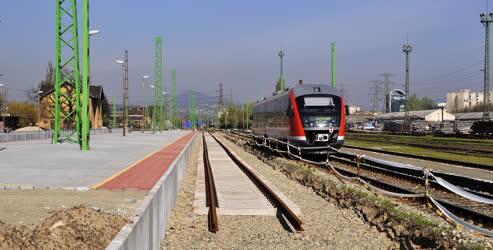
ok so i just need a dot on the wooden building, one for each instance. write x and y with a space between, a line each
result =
47 106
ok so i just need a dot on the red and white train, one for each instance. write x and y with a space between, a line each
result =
308 115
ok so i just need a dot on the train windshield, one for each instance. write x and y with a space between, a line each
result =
320 110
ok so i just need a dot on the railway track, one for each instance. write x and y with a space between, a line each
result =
456 149
213 223
210 188
427 158
408 181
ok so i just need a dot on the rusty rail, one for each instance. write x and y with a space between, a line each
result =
271 195
210 189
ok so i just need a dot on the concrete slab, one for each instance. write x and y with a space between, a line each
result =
64 165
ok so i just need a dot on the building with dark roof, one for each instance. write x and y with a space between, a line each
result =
47 105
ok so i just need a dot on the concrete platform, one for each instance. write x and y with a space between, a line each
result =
144 174
42 164
236 193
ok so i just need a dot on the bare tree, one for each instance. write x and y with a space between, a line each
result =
49 80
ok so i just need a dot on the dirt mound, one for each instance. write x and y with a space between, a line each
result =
74 228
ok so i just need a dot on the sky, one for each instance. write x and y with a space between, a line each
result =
237 43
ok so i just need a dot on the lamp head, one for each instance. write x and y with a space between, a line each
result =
93 32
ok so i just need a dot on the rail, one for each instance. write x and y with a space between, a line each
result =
401 172
427 158
210 189
288 214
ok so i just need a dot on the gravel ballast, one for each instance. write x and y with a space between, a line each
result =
326 225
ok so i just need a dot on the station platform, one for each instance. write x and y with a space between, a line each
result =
145 173
42 164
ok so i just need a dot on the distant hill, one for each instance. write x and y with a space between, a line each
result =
183 99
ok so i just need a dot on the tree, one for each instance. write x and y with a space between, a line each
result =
25 111
32 95
416 103
2 98
477 108
106 111
428 103
49 80
413 103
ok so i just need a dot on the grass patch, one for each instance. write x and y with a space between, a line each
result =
429 139
420 151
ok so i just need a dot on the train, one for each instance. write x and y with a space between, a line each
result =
306 115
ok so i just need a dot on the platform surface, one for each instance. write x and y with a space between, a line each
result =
145 173
64 165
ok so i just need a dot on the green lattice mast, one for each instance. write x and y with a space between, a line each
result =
67 104
86 125
158 110
333 63
173 112
195 113
193 110
281 82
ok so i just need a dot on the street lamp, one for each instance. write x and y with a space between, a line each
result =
144 102
164 112
2 96
93 32
86 77
124 120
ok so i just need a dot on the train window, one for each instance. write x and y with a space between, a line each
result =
319 110
290 111
319 101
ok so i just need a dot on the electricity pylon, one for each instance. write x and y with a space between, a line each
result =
86 124
158 110
193 110
281 83
173 113
67 103
333 63
486 20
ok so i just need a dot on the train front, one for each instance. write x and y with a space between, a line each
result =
321 114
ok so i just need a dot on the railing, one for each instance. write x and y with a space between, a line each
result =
40 135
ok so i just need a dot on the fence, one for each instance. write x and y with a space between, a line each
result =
39 135
150 222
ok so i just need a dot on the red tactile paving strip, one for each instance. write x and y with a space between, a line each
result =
146 173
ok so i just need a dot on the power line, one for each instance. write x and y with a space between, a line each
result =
451 73
387 84
376 95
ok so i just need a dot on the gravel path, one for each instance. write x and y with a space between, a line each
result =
326 225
